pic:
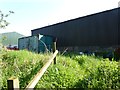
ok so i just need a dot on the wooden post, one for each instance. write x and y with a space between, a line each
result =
54 48
13 83
37 77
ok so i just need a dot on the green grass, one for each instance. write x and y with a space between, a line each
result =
21 64
71 71
81 72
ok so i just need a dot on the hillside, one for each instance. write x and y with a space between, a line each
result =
10 38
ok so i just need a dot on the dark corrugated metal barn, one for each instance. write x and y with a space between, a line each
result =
100 29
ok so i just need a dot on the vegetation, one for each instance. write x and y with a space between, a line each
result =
3 22
21 64
81 72
71 71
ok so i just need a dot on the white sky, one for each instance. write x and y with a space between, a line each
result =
32 14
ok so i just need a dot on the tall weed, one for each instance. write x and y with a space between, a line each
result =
21 64
71 71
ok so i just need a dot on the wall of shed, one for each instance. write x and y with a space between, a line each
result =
29 43
101 29
36 44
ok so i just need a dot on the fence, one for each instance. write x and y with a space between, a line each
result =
13 83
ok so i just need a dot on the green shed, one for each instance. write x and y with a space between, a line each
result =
38 44
45 43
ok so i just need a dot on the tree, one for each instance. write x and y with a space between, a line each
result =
3 22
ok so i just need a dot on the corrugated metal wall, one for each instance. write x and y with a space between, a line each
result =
30 43
101 29
45 42
35 43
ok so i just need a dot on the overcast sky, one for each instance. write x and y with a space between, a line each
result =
32 14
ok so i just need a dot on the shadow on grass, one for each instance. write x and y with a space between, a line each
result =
24 81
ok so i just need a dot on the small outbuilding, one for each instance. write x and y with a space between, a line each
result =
39 43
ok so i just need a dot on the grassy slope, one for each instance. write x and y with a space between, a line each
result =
69 72
21 64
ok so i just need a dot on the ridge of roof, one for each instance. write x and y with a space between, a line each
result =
75 19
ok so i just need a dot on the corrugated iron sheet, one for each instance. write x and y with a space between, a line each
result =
101 29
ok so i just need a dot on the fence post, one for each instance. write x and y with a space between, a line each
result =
54 48
13 83
40 73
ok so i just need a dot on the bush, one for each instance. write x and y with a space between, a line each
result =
71 71
81 72
64 74
104 75
21 64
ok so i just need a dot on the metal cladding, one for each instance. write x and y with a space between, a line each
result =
100 29
36 44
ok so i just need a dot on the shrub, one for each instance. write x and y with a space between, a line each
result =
64 74
104 75
21 64
81 72
71 70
